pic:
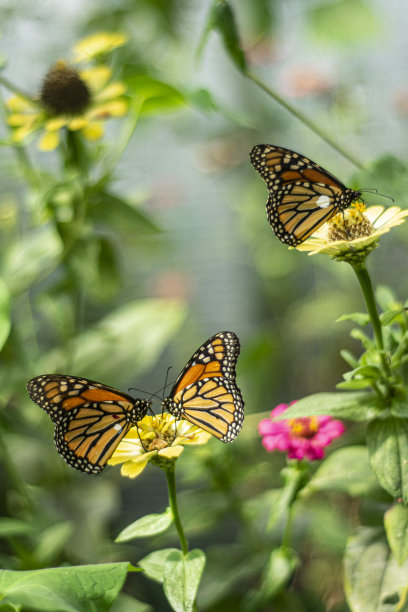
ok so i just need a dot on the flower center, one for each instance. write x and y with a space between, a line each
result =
350 224
304 427
63 91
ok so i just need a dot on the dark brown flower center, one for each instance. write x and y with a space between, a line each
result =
63 91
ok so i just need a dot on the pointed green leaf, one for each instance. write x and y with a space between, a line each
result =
361 318
182 575
354 384
14 527
26 262
222 19
349 358
124 216
387 317
276 575
146 526
153 564
85 588
5 322
136 334
357 406
347 470
387 441
374 582
396 527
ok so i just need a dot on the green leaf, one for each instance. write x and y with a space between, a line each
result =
126 218
354 384
157 96
221 18
27 261
357 406
134 336
85 588
276 576
5 322
361 318
396 527
373 579
146 526
52 542
347 470
14 527
153 564
343 21
182 575
349 358
387 317
387 441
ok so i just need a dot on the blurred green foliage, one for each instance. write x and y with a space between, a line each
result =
118 261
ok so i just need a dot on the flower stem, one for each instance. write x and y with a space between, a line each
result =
305 120
367 289
11 87
171 483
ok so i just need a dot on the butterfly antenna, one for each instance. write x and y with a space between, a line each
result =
165 385
146 392
141 441
383 195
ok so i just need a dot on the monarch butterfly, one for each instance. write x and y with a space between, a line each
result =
302 194
92 418
205 393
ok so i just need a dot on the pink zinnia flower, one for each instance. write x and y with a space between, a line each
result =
301 438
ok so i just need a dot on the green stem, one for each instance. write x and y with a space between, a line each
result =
368 293
11 87
305 120
171 484
287 532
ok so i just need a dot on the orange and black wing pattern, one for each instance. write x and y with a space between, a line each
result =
302 195
206 393
90 418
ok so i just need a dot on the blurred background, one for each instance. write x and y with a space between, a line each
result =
182 249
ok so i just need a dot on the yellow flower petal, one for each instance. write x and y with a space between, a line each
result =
49 141
19 119
93 131
22 132
113 90
96 77
78 123
171 452
95 44
114 108
18 104
53 125
132 469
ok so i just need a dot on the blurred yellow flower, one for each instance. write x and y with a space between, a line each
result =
79 100
354 232
98 44
159 439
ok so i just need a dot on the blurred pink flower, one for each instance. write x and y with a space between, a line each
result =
301 438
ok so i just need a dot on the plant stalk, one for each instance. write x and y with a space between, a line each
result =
171 484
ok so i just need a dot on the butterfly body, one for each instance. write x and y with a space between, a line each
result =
302 194
206 393
91 418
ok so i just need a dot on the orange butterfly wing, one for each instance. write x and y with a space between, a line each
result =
91 418
206 393
302 195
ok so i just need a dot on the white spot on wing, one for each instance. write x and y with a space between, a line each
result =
323 201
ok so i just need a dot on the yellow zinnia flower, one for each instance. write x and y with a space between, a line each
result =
159 439
353 233
79 100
